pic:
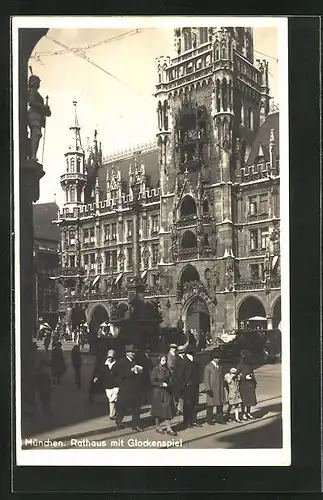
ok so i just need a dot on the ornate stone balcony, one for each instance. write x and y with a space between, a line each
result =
187 220
69 272
73 176
257 217
187 253
250 285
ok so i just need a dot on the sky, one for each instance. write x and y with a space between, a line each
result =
120 105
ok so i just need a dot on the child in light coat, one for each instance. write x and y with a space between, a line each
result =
234 398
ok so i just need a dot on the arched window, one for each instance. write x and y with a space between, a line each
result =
242 114
67 166
78 165
189 273
243 152
189 240
205 207
72 165
203 35
72 194
198 64
180 71
189 68
188 206
224 52
208 60
217 53
165 115
187 39
250 118
218 96
159 115
224 94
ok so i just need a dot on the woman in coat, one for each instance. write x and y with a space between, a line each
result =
248 385
214 388
163 406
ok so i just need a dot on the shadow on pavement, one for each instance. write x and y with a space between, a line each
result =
268 435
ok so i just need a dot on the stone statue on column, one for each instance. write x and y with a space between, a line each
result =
37 111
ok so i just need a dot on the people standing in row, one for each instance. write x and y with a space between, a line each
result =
214 388
163 406
248 384
130 388
110 382
77 364
57 363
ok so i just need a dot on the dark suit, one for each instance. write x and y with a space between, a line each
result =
190 391
130 391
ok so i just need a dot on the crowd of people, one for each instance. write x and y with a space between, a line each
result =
171 386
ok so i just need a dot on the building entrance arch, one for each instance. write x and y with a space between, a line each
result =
251 314
197 316
98 316
277 314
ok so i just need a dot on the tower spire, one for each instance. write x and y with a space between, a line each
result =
76 143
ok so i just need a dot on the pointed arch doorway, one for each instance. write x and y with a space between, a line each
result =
198 316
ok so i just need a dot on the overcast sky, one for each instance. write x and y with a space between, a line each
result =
122 109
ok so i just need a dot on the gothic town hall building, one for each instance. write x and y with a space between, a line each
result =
209 215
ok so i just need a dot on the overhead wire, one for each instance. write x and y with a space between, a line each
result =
89 46
82 54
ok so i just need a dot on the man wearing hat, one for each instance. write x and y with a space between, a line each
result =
214 388
172 358
178 373
110 382
129 376
190 388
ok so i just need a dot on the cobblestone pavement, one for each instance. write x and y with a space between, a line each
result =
77 422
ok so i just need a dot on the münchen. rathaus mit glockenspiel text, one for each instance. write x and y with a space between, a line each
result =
205 196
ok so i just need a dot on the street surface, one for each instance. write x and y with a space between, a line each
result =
76 422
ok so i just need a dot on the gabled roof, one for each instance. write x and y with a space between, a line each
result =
43 215
148 158
261 142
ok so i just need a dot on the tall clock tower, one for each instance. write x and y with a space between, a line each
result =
211 99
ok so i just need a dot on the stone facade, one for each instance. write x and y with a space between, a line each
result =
209 195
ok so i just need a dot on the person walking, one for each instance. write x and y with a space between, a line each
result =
77 364
129 375
190 389
232 383
248 384
214 388
110 383
163 406
42 379
57 363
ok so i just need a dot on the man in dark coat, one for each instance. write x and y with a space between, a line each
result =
144 360
190 389
129 376
77 363
214 388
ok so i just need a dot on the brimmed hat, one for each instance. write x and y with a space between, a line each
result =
111 353
173 346
216 353
182 350
130 348
233 370
245 353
